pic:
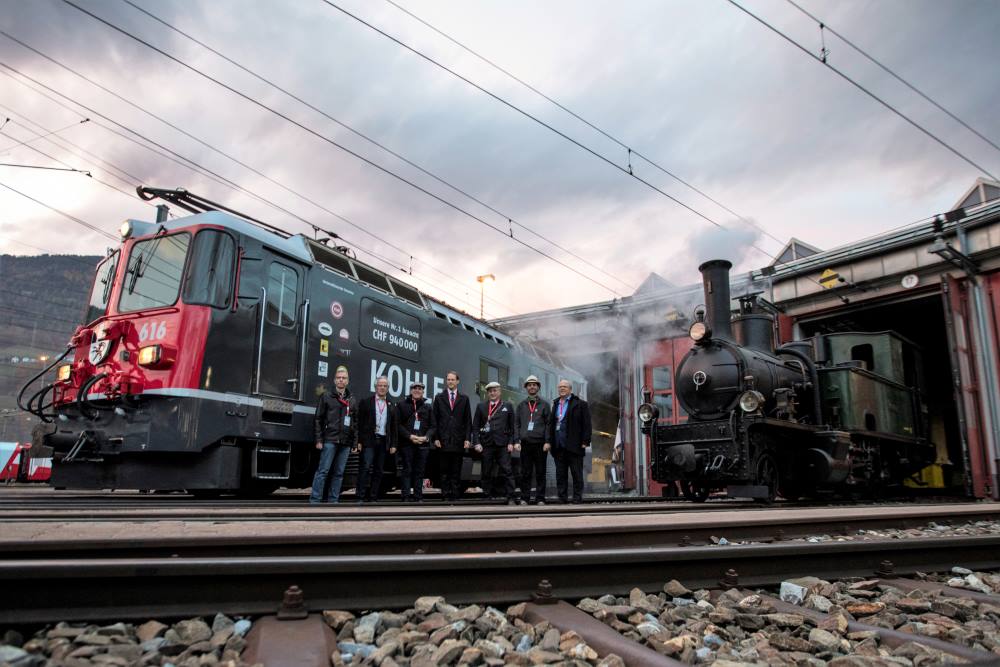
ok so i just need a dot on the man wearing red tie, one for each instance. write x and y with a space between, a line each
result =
493 435
570 434
453 423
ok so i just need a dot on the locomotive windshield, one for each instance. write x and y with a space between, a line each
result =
209 279
153 273
104 280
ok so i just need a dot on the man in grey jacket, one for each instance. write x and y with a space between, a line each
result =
532 420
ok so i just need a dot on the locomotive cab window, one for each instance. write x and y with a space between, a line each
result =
209 279
100 293
153 273
865 354
282 295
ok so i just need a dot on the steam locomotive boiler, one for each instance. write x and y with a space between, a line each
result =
838 412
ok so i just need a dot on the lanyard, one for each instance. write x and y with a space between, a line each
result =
564 403
532 406
492 408
381 409
346 404
416 415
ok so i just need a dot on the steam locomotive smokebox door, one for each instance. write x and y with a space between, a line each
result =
282 323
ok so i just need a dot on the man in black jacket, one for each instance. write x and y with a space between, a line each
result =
570 434
493 434
415 418
531 427
336 437
452 422
377 431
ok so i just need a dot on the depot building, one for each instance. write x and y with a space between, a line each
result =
936 283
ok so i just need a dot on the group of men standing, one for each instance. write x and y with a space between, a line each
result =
377 426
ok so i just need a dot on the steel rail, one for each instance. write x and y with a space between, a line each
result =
43 590
540 533
524 533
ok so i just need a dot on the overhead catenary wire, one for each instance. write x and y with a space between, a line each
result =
630 151
375 142
625 170
864 90
68 216
74 149
194 165
191 164
890 72
62 129
345 149
35 166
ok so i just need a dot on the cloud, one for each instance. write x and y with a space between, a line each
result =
709 94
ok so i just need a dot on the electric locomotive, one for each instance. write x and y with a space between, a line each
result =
839 412
208 338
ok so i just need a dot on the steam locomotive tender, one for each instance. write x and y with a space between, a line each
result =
207 339
840 412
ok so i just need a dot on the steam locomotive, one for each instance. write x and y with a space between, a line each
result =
207 338
840 412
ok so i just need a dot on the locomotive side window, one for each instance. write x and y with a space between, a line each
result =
100 293
663 394
282 295
865 354
209 278
153 273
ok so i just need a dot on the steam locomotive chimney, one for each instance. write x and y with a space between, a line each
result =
715 276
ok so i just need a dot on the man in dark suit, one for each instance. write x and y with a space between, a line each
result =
453 421
493 435
376 434
569 434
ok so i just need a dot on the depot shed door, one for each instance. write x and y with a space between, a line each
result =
660 359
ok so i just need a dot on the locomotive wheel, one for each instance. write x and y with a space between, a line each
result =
695 492
765 473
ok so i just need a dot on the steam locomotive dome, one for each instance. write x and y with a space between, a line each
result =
708 381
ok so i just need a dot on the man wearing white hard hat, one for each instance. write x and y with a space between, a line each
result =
493 435
532 420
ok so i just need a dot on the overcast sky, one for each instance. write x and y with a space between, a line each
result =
698 86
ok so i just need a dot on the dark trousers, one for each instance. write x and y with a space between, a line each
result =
370 475
572 463
414 462
451 473
496 473
532 470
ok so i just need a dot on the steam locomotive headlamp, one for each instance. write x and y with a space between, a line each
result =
126 230
648 413
750 401
699 332
64 372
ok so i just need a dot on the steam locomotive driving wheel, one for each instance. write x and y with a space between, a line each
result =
765 473
695 491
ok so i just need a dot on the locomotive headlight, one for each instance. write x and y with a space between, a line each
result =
150 355
750 401
64 372
125 230
647 412
699 331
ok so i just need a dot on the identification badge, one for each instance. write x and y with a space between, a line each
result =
347 420
486 429
416 424
531 426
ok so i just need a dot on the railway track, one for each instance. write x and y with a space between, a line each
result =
140 569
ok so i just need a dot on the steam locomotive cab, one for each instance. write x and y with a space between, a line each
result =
790 420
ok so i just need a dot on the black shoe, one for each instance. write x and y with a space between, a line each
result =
539 502
512 502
